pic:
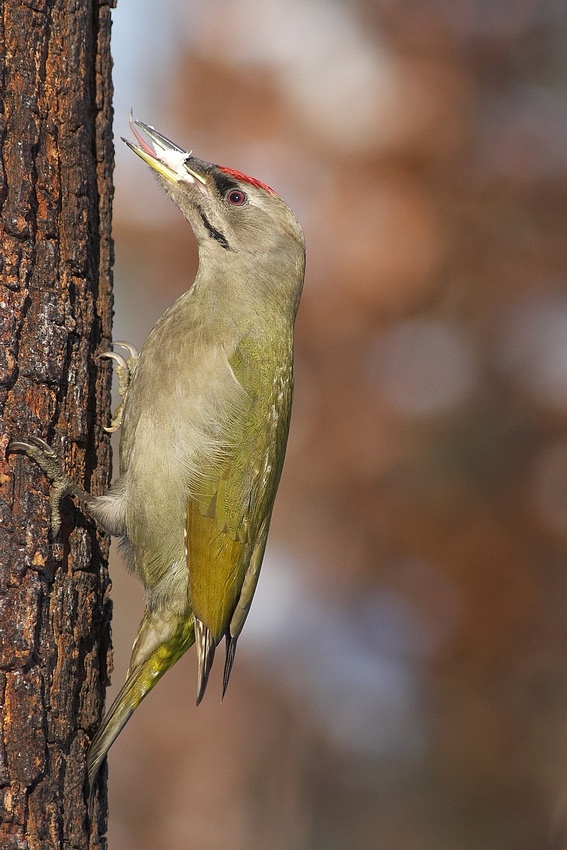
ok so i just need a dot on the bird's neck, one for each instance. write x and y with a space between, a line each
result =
241 293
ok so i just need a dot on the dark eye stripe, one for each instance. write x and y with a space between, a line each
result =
223 183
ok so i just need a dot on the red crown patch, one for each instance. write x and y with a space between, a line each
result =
238 175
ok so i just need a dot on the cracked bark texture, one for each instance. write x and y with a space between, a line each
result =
55 314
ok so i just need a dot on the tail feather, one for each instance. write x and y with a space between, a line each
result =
139 683
205 654
114 721
229 661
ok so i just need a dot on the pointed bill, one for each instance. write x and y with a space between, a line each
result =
163 155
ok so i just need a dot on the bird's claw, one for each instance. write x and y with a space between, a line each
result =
50 463
125 367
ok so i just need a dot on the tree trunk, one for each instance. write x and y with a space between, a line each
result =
55 315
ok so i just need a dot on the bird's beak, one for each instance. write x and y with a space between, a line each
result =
164 156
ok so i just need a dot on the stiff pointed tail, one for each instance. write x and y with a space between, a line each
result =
229 661
206 646
140 681
114 721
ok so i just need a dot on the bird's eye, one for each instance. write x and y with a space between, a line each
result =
236 197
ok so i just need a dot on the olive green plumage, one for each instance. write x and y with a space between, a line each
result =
204 426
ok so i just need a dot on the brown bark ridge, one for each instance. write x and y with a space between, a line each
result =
56 159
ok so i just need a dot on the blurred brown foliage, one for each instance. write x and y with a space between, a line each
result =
427 465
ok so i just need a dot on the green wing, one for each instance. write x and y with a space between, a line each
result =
227 525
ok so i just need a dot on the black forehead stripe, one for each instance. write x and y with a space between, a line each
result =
223 182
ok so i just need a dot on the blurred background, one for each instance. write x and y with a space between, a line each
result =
401 683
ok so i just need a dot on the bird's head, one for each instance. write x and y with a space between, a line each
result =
232 215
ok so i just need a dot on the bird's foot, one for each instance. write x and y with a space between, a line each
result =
50 463
125 367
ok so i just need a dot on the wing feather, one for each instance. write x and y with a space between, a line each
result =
227 521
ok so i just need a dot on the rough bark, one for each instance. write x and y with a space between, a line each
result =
55 315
